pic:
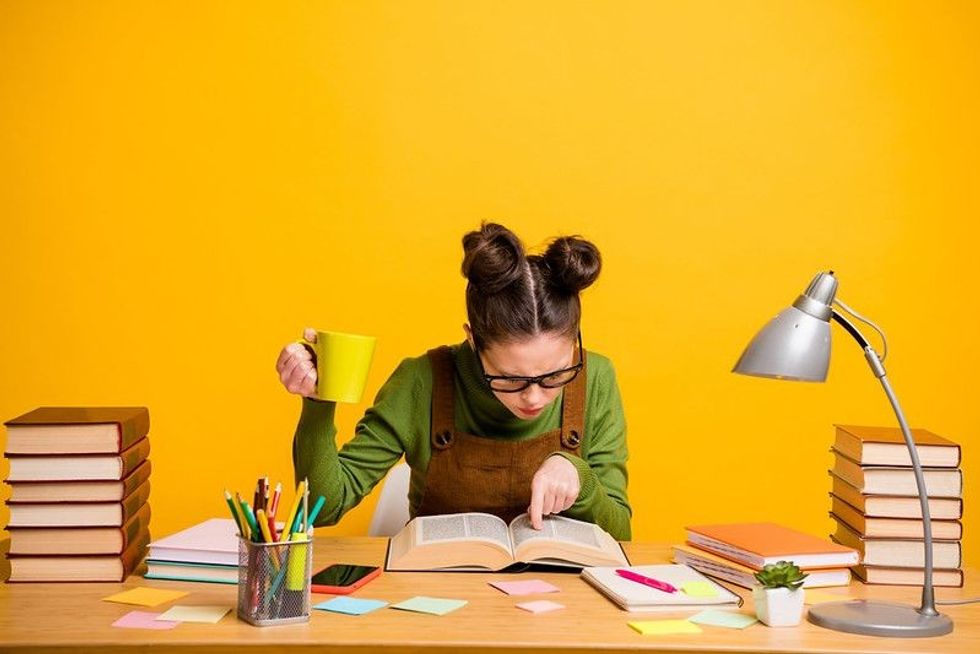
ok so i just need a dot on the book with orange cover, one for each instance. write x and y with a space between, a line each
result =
757 544
894 506
48 541
872 574
79 491
892 527
885 446
78 568
86 514
75 467
77 430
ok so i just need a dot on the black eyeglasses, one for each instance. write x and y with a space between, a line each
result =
555 379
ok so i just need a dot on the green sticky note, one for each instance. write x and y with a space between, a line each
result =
699 589
431 605
730 619
663 627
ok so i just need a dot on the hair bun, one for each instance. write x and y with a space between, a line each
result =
573 263
493 258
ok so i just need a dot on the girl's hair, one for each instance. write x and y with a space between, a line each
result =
511 295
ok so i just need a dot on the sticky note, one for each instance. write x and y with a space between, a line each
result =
529 587
145 596
541 606
699 589
350 605
143 620
663 627
730 619
819 597
432 605
209 614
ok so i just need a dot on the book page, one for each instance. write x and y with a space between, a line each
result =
459 526
554 527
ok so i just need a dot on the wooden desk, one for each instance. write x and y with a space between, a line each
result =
53 617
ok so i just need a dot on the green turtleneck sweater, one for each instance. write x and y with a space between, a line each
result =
398 423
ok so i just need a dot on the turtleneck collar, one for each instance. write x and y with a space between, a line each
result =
488 414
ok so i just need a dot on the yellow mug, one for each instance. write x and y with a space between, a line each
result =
342 365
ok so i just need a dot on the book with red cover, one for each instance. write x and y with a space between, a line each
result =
78 568
85 514
78 491
77 430
48 541
75 467
757 544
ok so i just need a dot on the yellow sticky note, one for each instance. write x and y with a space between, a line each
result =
661 627
819 597
211 614
699 589
145 596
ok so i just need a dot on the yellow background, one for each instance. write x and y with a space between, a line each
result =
185 185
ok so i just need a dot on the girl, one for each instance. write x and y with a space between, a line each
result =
517 418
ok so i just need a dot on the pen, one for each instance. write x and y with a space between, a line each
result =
646 581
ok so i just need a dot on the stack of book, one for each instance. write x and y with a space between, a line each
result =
735 552
79 484
205 552
875 501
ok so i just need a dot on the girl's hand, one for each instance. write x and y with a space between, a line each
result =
296 368
554 489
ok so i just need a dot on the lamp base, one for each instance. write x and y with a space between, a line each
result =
879 619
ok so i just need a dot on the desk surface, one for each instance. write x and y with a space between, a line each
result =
49 617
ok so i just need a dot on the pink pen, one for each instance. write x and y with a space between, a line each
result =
646 581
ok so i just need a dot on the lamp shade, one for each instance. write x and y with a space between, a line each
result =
794 345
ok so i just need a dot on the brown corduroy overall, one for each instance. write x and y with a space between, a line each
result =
476 473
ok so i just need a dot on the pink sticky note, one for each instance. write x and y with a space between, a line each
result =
540 606
529 587
143 620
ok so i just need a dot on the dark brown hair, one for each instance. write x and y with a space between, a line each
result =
511 295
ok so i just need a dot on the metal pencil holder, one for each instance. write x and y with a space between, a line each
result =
274 581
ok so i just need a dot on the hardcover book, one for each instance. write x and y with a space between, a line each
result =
77 430
885 446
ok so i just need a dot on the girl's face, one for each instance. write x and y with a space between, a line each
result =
534 356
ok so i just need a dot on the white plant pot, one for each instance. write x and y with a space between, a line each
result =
778 607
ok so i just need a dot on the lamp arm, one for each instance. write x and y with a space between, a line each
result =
928 606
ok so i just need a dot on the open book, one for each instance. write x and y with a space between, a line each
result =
480 541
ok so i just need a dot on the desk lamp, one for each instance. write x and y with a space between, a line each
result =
795 345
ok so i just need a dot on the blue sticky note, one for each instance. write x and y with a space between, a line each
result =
729 619
350 605
432 605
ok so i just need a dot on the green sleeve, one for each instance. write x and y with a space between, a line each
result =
602 472
345 476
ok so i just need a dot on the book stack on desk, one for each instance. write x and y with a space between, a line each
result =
79 484
207 552
875 502
735 552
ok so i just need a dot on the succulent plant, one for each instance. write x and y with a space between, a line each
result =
784 574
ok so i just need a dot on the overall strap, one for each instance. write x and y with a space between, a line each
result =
443 397
573 411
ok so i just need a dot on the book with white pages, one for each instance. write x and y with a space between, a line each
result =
640 598
212 541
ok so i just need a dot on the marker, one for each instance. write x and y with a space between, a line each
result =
646 581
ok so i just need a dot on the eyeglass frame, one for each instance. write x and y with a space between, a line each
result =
489 379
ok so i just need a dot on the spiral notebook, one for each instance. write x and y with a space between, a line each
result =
636 597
